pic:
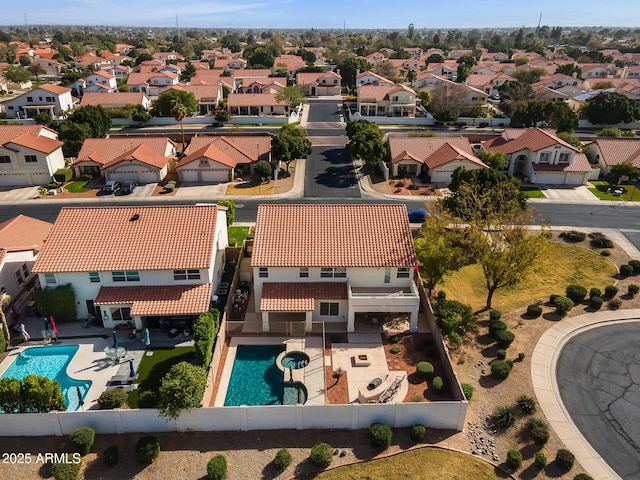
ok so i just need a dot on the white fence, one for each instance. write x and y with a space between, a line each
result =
440 415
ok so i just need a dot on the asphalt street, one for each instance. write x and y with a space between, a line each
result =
598 375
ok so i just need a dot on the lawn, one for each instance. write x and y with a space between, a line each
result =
566 265
532 192
79 186
418 464
153 368
601 187
239 233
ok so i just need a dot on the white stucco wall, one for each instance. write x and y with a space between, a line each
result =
13 261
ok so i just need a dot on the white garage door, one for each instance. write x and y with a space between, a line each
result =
188 175
123 176
40 178
440 176
550 178
12 179
147 177
215 175
575 179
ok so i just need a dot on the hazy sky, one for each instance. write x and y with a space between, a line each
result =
324 13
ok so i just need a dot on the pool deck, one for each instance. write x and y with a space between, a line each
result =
313 374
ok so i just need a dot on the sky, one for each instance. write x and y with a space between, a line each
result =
324 14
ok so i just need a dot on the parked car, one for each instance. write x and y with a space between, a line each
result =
128 187
111 186
417 216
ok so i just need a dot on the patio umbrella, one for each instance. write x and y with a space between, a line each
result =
147 340
132 370
53 324
80 400
115 340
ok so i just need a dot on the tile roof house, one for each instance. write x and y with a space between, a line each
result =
136 264
436 156
607 152
219 158
207 96
99 81
255 104
106 157
151 83
393 101
47 98
21 238
306 270
541 157
370 78
290 63
29 155
315 84
116 99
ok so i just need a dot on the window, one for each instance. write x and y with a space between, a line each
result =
186 274
121 314
30 99
263 272
326 272
94 277
304 272
340 272
5 159
544 157
330 309
25 270
403 272
19 278
120 276
132 276
30 158
50 279
564 158
387 275
333 272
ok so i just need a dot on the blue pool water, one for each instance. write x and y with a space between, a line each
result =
255 378
50 362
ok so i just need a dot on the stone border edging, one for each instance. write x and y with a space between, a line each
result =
543 375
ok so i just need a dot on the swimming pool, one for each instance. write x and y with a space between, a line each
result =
255 378
50 362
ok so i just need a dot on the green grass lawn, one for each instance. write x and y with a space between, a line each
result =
565 265
419 464
79 186
153 368
238 233
601 187
532 192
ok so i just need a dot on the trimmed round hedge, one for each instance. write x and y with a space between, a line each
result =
418 432
496 326
111 456
504 338
147 449
565 459
500 369
282 460
114 398
321 455
514 459
82 438
534 310
217 468
424 369
381 435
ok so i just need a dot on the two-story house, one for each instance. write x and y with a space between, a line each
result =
29 155
370 78
207 96
255 104
136 265
315 84
305 269
607 152
289 63
394 101
99 81
539 156
151 83
47 98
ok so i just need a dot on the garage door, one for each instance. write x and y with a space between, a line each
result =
123 176
550 178
147 177
188 175
215 175
40 178
14 179
440 176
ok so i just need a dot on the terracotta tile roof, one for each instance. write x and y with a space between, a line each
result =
200 91
533 139
255 73
100 239
211 152
252 100
104 150
580 163
57 89
299 297
9 133
619 150
158 300
142 153
432 151
23 233
312 78
229 150
333 236
112 100
38 143
293 62
102 73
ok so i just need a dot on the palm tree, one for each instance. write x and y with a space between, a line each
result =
412 75
179 112
5 298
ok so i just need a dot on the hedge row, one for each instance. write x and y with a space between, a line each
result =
205 331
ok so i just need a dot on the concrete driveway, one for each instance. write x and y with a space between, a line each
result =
579 194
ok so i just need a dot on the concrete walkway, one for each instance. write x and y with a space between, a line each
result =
543 373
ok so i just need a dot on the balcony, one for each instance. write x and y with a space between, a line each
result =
388 296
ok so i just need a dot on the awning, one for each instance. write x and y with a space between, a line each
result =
299 297
164 300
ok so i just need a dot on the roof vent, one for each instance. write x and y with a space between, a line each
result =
134 218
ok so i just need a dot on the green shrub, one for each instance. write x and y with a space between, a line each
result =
626 270
111 456
599 240
3 342
576 293
540 459
495 314
113 398
205 330
635 264
505 416
66 471
59 301
521 356
504 338
633 290
605 253
526 405
552 297
565 459
583 476
439 385
321 455
231 209
418 432
534 311
573 236
500 369
539 431
501 354
424 369
615 303
282 460
170 187
394 339
496 326
147 399
380 435
596 303
610 291
467 389
147 449
510 363
63 175
514 459
455 318
217 468
395 349
82 439
563 305
595 292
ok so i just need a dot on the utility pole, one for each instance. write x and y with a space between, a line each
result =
538 29
27 27
177 27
